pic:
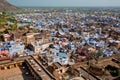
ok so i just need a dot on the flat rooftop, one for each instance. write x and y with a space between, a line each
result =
17 73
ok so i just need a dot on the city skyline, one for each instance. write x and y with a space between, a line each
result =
65 3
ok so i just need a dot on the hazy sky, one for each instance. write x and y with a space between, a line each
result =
66 3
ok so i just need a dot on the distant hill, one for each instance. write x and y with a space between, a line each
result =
4 5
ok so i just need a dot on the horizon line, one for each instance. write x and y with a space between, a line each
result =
72 6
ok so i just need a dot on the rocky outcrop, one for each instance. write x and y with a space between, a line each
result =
4 5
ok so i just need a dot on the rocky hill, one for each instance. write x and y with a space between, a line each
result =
4 5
